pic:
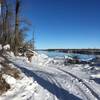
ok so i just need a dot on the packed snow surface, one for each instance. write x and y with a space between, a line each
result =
43 79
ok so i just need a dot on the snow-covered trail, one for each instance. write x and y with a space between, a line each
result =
60 84
47 81
91 88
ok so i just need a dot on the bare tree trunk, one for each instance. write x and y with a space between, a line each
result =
17 26
1 21
4 22
11 34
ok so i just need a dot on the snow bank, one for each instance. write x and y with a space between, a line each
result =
41 59
9 79
96 75
25 88
21 89
43 56
6 47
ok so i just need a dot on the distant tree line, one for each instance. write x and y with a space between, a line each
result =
79 51
13 28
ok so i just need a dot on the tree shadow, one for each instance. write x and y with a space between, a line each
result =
52 88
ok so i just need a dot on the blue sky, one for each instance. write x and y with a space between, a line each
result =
64 23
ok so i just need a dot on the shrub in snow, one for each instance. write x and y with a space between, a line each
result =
6 47
7 69
29 56
4 86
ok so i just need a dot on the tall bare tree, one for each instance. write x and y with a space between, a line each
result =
10 22
17 25
5 29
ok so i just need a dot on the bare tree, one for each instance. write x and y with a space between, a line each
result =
17 26
10 22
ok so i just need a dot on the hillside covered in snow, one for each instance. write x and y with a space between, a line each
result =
46 78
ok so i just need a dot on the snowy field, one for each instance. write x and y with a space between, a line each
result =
47 78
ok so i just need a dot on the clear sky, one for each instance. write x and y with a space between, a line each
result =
64 23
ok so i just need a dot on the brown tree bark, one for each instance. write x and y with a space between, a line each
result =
17 26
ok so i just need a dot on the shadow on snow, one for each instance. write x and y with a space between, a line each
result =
54 89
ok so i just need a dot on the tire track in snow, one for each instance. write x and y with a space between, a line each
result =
80 80
48 77
55 81
58 84
83 93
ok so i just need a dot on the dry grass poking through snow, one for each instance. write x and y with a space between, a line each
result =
7 69
3 85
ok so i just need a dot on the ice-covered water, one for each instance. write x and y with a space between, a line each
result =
56 54
53 54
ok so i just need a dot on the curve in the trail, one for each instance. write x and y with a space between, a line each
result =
55 81
61 94
80 80
49 86
50 78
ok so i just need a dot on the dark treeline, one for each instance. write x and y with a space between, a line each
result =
80 51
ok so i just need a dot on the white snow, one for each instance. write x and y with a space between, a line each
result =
96 75
9 79
41 59
48 79
6 47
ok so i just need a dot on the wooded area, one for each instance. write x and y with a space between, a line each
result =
11 30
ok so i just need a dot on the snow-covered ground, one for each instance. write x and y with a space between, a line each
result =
49 79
